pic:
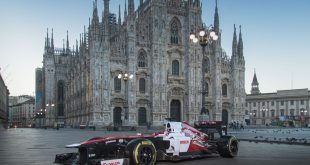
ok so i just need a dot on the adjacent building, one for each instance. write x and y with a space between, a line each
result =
152 44
38 89
4 102
284 107
22 111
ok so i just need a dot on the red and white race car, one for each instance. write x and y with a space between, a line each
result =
178 141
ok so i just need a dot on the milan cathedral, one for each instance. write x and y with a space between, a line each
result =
151 44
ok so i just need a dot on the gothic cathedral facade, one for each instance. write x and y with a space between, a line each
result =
152 44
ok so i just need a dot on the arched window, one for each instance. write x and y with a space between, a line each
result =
224 90
174 31
117 84
175 67
142 85
142 60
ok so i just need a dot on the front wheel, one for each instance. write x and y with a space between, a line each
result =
228 146
141 152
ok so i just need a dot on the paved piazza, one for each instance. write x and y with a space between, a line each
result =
39 146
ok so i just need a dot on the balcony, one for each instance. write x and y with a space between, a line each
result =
172 79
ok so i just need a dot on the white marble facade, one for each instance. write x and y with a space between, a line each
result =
152 43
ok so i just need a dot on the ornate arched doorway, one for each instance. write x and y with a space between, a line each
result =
117 116
224 116
142 116
175 110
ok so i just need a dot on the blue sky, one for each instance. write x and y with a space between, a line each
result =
275 34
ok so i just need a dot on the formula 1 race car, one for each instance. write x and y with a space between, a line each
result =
178 141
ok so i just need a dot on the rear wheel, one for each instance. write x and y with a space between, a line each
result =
83 156
67 158
228 146
141 152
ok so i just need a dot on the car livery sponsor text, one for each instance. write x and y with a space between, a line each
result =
184 142
112 162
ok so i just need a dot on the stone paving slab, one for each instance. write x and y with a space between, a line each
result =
298 136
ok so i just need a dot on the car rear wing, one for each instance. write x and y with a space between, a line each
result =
211 127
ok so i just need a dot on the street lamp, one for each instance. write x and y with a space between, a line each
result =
263 117
252 115
205 36
302 113
264 110
49 112
125 76
39 115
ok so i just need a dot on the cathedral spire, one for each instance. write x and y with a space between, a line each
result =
52 40
119 15
119 19
47 40
67 48
94 27
73 51
125 12
77 47
63 45
216 20
131 7
141 2
240 44
45 44
84 35
255 87
106 17
197 3
95 19
88 21
95 4
82 40
234 43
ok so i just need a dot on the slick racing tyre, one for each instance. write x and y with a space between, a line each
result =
228 146
141 152
67 158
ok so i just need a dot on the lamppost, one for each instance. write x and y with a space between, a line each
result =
264 110
302 114
40 114
48 106
205 36
252 115
125 76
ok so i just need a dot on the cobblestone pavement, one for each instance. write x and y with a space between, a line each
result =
281 135
39 146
